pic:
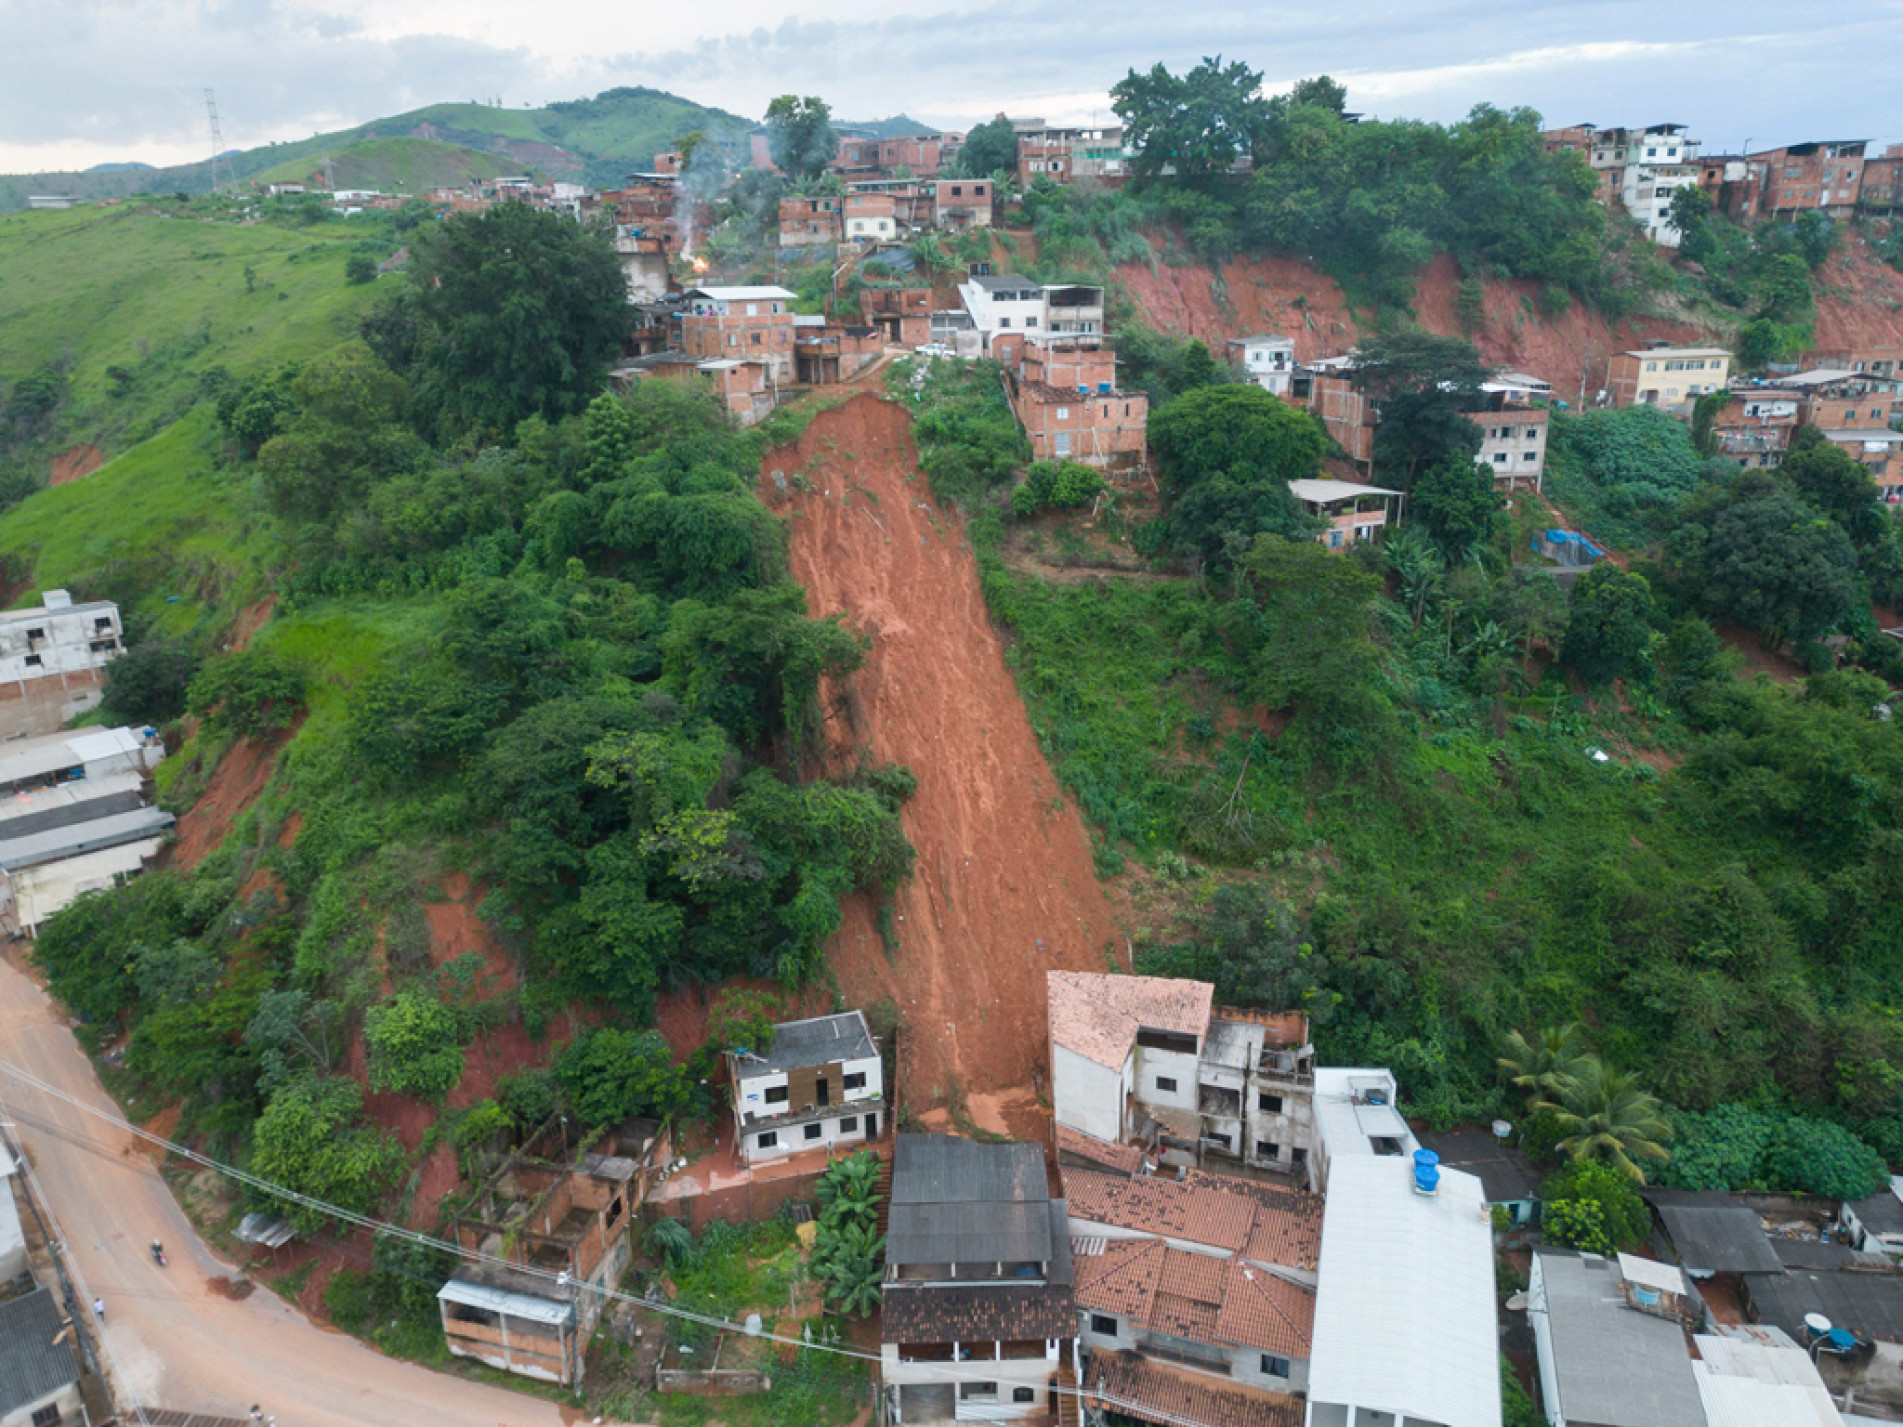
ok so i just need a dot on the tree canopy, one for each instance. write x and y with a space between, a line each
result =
1197 124
800 135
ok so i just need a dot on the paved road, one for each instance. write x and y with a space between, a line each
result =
179 1343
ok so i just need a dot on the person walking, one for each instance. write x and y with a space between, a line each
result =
99 1309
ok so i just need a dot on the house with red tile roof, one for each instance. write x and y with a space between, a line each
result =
1152 1062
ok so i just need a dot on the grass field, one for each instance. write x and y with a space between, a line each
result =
411 166
139 307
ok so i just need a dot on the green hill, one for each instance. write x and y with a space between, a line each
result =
391 166
112 319
583 140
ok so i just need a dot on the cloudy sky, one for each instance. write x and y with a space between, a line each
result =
92 81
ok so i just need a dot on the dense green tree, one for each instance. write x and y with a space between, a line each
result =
1239 431
347 436
1423 386
1690 213
1197 125
1831 479
517 311
801 137
1537 1064
415 1045
1610 626
1250 946
250 692
311 1138
609 1075
1607 1115
1780 567
147 684
1617 1211
1457 503
990 148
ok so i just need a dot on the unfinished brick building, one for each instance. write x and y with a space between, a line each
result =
1823 176
1064 390
903 314
551 1228
743 323
809 222
961 203
826 352
647 233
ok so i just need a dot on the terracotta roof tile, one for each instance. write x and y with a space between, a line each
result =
1126 1158
980 1313
1122 1279
1261 1310
1197 1276
1167 1208
1157 1392
1185 1318
1288 1221
1097 1016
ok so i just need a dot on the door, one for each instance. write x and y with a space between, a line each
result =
872 1127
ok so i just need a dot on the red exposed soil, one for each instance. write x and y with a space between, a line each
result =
441 1174
456 926
1757 659
1860 303
681 1016
74 463
250 620
1004 886
239 778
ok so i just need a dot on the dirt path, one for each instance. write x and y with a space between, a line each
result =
1004 887
180 1339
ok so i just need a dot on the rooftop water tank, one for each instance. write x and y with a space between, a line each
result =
1426 1172
1104 388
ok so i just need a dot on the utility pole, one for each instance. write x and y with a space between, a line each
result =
217 141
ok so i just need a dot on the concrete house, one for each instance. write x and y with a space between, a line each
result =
1513 429
39 1376
1148 1060
979 1323
1406 1330
561 1221
1268 360
1354 512
870 218
821 1085
749 324
53 661
1669 377
1357 1117
1002 304
1204 1282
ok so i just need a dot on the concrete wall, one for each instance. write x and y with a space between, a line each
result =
793 1139
1087 1096
1513 445
66 1399
1035 1374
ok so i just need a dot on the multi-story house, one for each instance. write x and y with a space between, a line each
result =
1854 411
1194 1290
1267 360
1357 1116
819 1085
1669 377
1067 154
978 1320
961 203
53 661
809 222
1513 429
1823 176
870 218
748 324
1148 1061
1002 304
1065 393
1638 169
1881 190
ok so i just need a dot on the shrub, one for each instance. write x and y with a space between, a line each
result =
360 268
311 1138
1734 1147
249 692
1617 1212
1064 484
1577 1224
415 1044
609 1075
149 682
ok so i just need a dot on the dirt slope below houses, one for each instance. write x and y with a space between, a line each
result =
1860 302
1004 887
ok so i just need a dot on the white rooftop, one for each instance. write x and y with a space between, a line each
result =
1650 352
740 294
1749 1384
1404 1307
1648 1273
25 758
1349 1128
1326 492
502 1300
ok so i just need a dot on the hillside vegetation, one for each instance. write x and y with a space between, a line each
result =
391 166
584 140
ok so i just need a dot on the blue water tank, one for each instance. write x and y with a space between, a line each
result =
1426 1171
1104 387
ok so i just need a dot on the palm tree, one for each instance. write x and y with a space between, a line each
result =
1607 1115
1540 1062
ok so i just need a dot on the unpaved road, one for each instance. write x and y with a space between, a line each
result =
179 1343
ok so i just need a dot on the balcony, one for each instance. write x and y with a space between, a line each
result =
1215 1100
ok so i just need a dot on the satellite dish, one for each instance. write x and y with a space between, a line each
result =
1501 1129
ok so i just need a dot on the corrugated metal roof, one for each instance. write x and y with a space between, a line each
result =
1325 491
501 1300
819 1041
1615 1366
943 1169
1405 1318
32 1365
983 1231
1718 1237
60 842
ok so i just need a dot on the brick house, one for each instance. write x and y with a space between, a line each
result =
647 233
1880 361
1327 390
961 203
743 323
1066 154
1882 190
903 314
1064 390
1854 412
1823 176
1732 183
809 222
1755 426
825 352
1354 512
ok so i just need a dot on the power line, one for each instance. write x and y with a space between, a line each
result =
560 1279
217 143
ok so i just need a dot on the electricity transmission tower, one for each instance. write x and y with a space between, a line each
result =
217 145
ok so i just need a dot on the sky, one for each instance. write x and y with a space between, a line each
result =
97 81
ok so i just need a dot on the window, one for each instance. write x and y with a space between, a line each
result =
33 661
1023 1394
100 646
1270 1103
36 634
1179 1041
103 622
1876 413
767 1140
1267 1149
1531 456
1226 1141
1060 444
776 1094
1004 322
977 190
1334 539
753 309
1030 322
1298 1158
1166 1085
1103 1323
849 1124
1063 413
733 339
855 1080
1384 1144
957 191
977 1389
816 1129
1851 415
1499 458
46 1416
1651 153
756 339
1274 1366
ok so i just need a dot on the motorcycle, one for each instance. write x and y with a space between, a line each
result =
158 1253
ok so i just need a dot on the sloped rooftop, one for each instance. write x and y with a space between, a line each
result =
1098 1016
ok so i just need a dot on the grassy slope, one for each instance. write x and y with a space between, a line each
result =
608 135
392 166
165 299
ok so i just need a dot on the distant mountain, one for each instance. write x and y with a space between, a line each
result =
897 127
394 166
593 141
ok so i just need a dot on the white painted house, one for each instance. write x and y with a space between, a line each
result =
1358 1116
53 659
1149 1061
1268 360
820 1085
